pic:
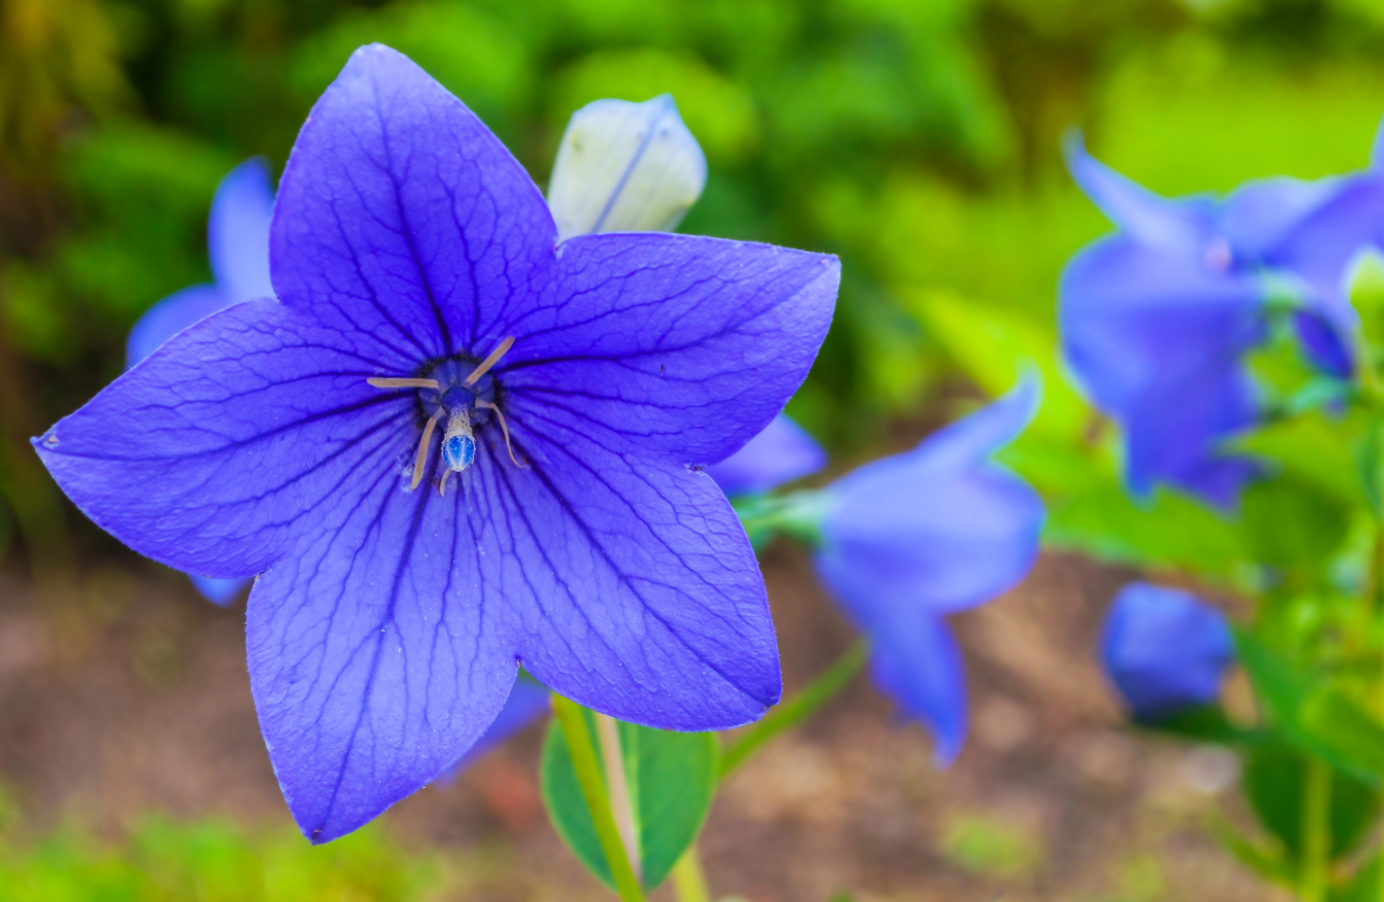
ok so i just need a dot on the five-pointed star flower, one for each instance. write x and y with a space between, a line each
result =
420 285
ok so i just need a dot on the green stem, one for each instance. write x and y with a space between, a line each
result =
795 710
573 722
1316 826
689 882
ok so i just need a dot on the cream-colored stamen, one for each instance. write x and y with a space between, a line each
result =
488 362
391 382
442 489
423 448
504 427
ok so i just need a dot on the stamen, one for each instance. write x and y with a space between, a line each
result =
442 489
488 362
504 427
423 449
391 382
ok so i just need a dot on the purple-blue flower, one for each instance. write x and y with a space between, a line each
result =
427 314
1157 318
911 538
1164 650
781 453
238 242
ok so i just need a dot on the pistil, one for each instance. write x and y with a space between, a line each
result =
456 402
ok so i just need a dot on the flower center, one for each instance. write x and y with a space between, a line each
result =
462 392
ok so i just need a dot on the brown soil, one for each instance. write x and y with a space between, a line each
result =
135 698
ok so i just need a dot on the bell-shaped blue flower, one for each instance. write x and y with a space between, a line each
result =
1157 318
1164 650
911 538
422 295
625 167
238 242
781 453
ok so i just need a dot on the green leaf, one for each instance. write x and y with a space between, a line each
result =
1201 723
1363 886
671 778
1335 721
1293 526
1274 781
1320 719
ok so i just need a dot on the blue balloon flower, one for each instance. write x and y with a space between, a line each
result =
423 296
1156 319
781 453
911 538
238 241
1164 650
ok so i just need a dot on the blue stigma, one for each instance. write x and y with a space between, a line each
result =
458 451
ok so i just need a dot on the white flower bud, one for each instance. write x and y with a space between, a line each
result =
625 167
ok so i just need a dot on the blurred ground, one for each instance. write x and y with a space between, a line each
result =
142 703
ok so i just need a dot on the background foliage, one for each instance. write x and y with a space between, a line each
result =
918 140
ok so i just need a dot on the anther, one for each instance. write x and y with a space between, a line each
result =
488 362
504 427
422 457
391 382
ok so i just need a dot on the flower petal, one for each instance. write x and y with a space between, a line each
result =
1158 339
384 645
170 316
401 216
1137 211
1261 214
917 662
377 656
227 442
781 453
238 232
629 584
695 344
938 528
1164 649
625 167
218 591
1319 251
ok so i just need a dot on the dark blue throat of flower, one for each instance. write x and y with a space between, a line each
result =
462 392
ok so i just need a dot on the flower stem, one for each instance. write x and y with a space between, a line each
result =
621 805
573 722
1316 826
795 710
689 882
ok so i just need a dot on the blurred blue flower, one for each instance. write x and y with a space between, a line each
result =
1156 319
238 242
911 538
1164 650
292 438
781 453
528 701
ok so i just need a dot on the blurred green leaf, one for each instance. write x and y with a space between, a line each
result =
717 110
212 861
1274 780
474 55
671 777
